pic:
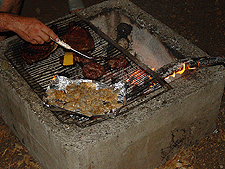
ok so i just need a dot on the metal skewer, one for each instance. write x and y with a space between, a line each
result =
65 45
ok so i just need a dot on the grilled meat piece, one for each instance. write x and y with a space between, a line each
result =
79 38
33 53
93 70
118 62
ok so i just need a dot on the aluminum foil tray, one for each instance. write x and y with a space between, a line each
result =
59 83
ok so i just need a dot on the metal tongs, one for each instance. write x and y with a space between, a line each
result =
65 45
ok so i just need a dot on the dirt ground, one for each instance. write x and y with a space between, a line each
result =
202 22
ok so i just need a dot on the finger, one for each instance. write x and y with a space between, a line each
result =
44 36
29 39
50 33
34 42
39 40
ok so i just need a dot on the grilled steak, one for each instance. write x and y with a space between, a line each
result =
33 53
118 62
78 38
93 70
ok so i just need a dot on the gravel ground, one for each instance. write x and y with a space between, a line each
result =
202 22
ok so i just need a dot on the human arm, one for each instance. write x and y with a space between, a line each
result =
29 29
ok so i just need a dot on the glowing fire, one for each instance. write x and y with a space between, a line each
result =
178 72
54 77
138 77
184 67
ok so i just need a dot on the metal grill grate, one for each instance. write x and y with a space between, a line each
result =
38 75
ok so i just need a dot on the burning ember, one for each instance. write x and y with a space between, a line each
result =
178 72
139 77
54 78
190 63
181 70
136 77
141 83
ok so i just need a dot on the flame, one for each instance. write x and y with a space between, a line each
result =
188 67
183 69
54 77
138 76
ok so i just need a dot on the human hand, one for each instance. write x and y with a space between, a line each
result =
32 30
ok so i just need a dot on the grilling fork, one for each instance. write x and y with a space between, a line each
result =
65 45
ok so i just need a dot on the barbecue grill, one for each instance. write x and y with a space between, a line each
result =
38 75
151 128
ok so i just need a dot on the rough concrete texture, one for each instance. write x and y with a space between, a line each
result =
144 137
141 43
144 20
